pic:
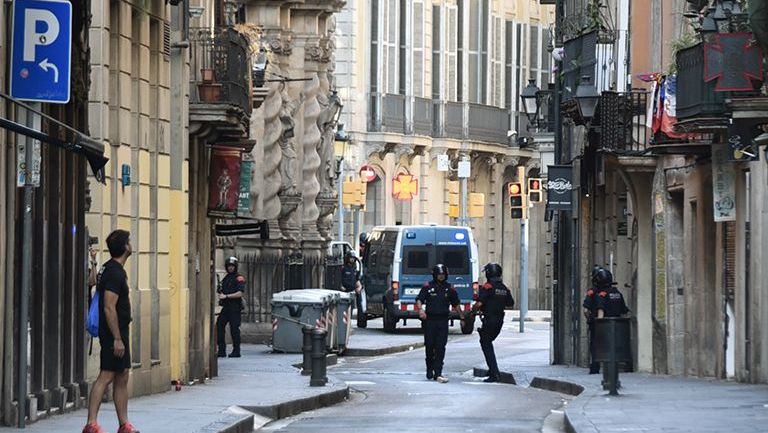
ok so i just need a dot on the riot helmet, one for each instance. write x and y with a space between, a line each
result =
440 269
492 271
349 258
231 261
595 271
603 279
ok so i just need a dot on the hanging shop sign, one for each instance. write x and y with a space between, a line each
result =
405 187
559 187
367 173
723 184
224 182
244 198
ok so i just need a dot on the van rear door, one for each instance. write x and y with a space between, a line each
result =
453 250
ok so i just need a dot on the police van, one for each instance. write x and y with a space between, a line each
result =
398 260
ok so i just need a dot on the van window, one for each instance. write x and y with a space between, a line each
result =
455 258
416 260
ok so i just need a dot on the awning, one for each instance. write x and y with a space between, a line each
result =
80 143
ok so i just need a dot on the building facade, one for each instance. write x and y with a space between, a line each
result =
146 187
420 79
671 206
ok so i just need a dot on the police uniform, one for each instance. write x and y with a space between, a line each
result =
611 301
590 303
494 297
349 278
231 309
436 299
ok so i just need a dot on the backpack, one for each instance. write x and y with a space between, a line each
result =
92 321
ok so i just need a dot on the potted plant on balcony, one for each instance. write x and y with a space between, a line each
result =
208 90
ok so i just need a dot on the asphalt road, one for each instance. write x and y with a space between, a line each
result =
391 393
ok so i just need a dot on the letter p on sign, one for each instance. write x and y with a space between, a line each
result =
34 19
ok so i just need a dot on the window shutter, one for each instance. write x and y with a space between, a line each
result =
418 49
451 37
436 50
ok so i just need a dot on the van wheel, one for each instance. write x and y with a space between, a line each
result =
469 325
362 321
390 323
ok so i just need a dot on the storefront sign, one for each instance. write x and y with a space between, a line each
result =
405 187
244 199
559 187
723 184
224 182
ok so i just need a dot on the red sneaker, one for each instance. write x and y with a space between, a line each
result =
127 428
92 427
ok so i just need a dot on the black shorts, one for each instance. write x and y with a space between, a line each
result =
109 361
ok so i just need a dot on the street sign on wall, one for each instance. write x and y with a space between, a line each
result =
41 51
559 186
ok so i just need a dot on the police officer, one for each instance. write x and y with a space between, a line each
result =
350 281
492 299
231 301
589 314
439 297
609 302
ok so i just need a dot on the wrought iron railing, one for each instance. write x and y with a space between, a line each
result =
600 55
695 97
622 121
220 64
439 119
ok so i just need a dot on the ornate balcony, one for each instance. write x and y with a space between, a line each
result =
697 101
621 122
438 119
220 84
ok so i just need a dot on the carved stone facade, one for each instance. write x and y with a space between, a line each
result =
295 171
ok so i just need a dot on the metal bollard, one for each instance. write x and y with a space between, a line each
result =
306 349
318 377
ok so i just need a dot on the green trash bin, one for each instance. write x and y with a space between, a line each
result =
291 311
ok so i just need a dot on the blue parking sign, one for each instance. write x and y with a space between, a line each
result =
41 52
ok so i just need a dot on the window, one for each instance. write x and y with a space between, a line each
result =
452 79
374 77
478 50
509 71
418 49
437 48
403 44
389 46
417 260
497 63
455 258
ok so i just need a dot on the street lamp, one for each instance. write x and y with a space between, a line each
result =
341 140
536 104
530 101
587 98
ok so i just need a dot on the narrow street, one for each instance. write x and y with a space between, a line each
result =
391 393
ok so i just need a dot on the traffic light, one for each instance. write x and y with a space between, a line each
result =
453 199
534 190
516 201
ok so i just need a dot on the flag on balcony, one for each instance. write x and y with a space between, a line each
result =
669 104
662 105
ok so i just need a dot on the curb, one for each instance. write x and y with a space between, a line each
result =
351 351
504 377
234 420
293 407
330 359
555 385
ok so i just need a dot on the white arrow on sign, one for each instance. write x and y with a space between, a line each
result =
45 64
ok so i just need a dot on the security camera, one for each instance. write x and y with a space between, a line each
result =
511 133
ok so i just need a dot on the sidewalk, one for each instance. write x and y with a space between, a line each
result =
647 403
261 382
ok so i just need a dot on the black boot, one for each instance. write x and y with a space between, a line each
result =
222 352
235 352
